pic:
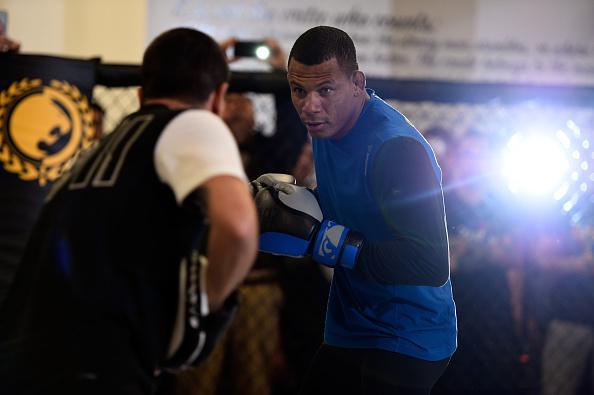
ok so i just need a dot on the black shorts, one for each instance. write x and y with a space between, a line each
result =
348 371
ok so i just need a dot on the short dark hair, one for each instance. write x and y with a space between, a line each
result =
183 63
322 43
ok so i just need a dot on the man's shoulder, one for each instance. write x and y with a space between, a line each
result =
188 122
388 121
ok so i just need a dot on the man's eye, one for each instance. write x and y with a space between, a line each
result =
298 91
325 91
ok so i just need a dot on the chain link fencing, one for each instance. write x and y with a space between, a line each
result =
525 325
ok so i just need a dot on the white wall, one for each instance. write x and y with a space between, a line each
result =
114 30
535 41
521 41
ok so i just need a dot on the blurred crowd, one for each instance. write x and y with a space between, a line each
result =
522 279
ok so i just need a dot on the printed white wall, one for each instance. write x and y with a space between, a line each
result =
535 41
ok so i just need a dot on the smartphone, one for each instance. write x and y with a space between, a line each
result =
3 23
251 49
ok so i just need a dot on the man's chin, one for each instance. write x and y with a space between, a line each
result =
319 132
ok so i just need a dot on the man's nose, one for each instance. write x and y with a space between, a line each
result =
311 103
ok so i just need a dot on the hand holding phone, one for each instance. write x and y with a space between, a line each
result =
251 49
6 44
3 23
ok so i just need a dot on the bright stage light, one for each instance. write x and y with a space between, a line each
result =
535 165
557 166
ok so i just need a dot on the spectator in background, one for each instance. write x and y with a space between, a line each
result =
564 254
239 116
304 171
7 44
98 120
278 152
486 260
443 143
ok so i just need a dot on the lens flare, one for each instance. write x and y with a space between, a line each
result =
263 52
536 165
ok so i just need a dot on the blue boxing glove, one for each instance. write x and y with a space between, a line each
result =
336 245
292 224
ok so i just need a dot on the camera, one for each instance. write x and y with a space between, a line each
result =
251 49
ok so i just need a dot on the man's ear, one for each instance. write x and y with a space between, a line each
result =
359 81
218 99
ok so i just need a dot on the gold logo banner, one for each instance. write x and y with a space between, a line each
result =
43 127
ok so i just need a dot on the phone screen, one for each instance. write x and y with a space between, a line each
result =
251 49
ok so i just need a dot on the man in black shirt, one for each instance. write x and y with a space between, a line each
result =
114 287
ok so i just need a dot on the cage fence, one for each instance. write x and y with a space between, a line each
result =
531 338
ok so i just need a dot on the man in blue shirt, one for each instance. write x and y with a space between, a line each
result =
391 321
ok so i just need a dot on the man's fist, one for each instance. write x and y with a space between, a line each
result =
289 218
292 224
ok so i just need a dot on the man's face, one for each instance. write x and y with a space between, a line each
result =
239 116
327 100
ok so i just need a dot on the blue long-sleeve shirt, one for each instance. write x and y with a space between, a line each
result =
382 180
409 196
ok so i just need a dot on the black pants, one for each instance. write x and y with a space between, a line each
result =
346 371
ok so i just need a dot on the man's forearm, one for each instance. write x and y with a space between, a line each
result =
404 262
230 256
233 237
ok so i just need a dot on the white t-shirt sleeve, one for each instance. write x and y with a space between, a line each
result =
195 146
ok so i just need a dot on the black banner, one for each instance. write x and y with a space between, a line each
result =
45 120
